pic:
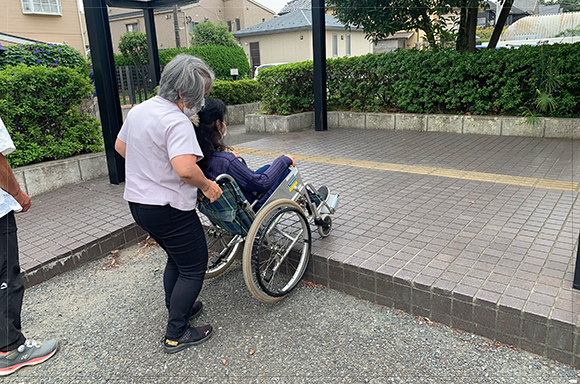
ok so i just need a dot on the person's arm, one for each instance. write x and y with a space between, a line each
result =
256 182
121 147
9 184
187 169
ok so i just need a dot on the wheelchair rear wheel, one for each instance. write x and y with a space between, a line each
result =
222 248
277 250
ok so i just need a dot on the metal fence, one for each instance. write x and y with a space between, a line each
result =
134 84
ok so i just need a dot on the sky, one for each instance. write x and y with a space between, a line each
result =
274 5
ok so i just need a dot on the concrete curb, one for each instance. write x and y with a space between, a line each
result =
482 125
543 335
126 236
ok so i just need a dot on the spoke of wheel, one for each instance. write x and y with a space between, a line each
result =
294 241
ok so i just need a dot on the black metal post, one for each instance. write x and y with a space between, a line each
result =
106 84
319 47
154 67
576 283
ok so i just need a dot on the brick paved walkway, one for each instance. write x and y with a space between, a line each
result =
476 232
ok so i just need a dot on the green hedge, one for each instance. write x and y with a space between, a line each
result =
237 92
44 55
494 82
39 106
219 58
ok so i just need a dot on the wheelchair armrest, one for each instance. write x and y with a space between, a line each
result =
226 177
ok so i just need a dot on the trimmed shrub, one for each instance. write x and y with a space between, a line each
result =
219 58
494 82
39 106
288 88
237 92
44 55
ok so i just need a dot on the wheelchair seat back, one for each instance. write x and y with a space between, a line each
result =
231 211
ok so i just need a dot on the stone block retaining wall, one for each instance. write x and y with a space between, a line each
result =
547 127
50 175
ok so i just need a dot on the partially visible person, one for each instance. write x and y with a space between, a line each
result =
15 350
92 77
162 177
218 158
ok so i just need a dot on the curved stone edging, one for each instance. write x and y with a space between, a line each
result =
547 127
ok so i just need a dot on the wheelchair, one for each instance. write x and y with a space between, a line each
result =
275 240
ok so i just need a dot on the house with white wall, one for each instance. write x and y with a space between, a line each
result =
288 39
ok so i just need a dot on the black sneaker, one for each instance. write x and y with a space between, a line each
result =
29 353
192 336
195 310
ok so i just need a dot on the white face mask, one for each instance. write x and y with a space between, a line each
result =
192 111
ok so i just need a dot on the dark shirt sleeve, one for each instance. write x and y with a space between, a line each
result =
255 182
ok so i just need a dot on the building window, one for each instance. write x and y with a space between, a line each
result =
334 45
133 27
238 24
44 7
191 25
348 45
229 25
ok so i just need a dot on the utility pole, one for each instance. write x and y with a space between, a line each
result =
176 27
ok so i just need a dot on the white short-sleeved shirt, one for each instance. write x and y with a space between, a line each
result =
155 132
7 202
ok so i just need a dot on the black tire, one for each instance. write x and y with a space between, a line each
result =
324 232
273 265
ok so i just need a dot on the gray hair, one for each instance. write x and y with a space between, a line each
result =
187 76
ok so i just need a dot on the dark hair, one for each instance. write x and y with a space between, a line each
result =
207 132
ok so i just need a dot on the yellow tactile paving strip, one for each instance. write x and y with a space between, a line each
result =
452 173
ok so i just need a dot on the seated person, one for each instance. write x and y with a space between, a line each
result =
217 157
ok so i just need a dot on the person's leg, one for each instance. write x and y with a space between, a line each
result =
181 235
187 247
15 351
271 190
170 274
262 169
11 286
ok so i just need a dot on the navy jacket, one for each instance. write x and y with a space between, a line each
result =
250 182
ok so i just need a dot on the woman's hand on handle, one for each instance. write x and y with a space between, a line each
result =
187 169
212 191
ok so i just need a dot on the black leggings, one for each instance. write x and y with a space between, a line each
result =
180 234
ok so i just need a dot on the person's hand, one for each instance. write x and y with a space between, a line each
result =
212 191
23 199
291 158
237 154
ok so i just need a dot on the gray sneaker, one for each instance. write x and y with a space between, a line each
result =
30 353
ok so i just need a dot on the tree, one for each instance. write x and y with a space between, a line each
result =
133 45
208 33
381 18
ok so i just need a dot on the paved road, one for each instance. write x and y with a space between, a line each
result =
111 320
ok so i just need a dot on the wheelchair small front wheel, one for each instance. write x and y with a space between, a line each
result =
324 230
277 250
222 248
